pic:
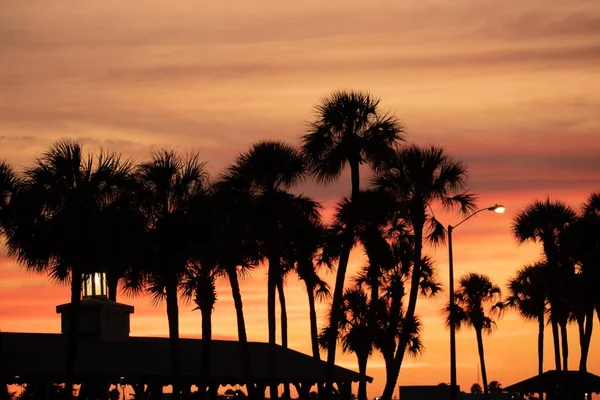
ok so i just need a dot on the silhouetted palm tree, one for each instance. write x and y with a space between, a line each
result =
356 333
475 293
390 309
307 248
375 222
54 219
8 186
269 169
528 292
581 242
199 284
171 187
121 233
296 213
419 179
544 222
233 210
349 130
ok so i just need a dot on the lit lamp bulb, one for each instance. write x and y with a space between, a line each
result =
497 208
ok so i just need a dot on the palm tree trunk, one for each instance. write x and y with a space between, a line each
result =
4 393
340 278
206 312
541 349
284 331
112 282
541 345
242 338
391 381
271 356
587 338
284 325
173 317
486 390
335 309
362 370
389 347
314 334
73 336
565 345
556 340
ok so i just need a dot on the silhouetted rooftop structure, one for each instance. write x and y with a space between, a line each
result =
41 355
106 353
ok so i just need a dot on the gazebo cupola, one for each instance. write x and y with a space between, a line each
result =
99 318
94 285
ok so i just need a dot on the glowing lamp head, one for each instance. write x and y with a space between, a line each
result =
497 208
94 284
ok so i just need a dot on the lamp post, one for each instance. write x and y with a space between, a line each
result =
453 388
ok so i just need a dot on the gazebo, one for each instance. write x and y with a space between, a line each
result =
107 354
559 384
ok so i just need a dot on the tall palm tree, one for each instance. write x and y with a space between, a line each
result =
544 222
269 169
170 189
349 130
528 291
420 179
475 293
233 208
591 216
120 233
53 220
8 186
296 212
582 245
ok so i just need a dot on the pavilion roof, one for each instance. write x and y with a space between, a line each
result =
42 355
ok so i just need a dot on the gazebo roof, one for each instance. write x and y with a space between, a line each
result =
41 355
553 381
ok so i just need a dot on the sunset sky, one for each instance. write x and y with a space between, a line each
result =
510 87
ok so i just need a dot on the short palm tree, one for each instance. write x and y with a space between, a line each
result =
390 309
171 188
199 284
53 220
349 130
476 295
545 222
356 333
307 255
419 179
528 292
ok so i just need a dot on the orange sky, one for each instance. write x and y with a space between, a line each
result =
510 87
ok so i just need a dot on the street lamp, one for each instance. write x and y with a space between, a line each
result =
453 392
